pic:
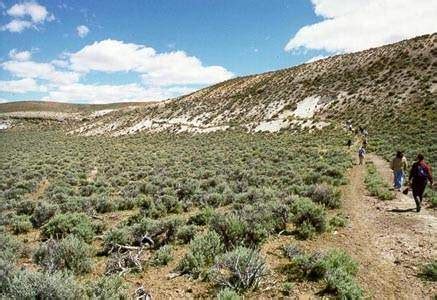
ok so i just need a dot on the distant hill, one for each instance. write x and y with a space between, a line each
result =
62 107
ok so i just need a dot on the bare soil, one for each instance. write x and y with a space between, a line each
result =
389 240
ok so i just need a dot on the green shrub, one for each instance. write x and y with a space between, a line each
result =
126 203
306 230
21 224
336 268
343 284
162 256
186 233
43 212
431 196
228 294
307 266
105 205
338 220
203 217
120 235
234 229
70 253
429 271
308 217
70 223
325 194
40 285
161 231
9 245
108 287
338 259
290 251
241 269
10 250
25 207
287 288
376 185
201 253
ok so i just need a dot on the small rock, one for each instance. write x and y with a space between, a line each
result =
173 275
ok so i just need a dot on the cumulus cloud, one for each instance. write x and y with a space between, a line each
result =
45 71
19 55
159 69
82 31
111 93
26 15
160 75
21 86
354 25
16 26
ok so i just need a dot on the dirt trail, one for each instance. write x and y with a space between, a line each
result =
389 246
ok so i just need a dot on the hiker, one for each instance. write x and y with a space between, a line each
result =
361 153
349 143
399 167
365 142
365 133
349 125
420 174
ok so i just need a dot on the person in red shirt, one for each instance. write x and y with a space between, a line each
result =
420 174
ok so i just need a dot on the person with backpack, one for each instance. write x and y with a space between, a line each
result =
361 153
420 174
399 167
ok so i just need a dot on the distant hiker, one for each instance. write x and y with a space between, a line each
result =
365 133
361 153
349 143
420 174
399 167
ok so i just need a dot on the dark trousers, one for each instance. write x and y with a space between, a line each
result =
418 188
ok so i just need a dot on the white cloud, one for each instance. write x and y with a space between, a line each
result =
37 13
159 69
163 75
111 93
82 31
21 86
26 15
354 25
60 63
21 56
16 26
30 69
316 58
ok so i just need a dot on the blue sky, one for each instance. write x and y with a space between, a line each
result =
138 50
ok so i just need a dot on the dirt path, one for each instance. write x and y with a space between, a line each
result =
390 247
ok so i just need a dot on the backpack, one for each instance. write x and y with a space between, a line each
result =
422 171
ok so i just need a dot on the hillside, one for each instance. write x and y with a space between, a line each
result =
376 84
